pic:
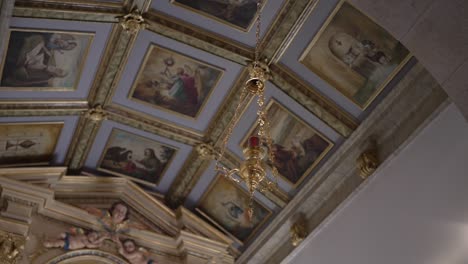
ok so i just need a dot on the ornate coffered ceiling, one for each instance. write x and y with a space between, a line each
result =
113 106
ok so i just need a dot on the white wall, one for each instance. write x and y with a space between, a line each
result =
412 211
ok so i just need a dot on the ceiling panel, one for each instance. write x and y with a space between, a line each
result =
229 73
96 152
201 19
319 28
249 117
64 138
100 32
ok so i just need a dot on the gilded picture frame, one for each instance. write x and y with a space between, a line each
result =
28 143
308 150
251 10
135 157
238 209
44 53
155 89
355 55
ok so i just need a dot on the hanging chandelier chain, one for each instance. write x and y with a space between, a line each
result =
257 31
259 152
264 132
230 128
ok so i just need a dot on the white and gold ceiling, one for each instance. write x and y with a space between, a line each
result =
79 91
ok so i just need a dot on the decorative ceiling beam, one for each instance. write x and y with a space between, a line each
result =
118 50
319 105
42 108
153 125
69 10
283 30
189 34
82 141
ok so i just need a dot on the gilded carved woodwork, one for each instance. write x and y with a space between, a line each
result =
96 114
132 22
206 242
206 151
11 247
298 230
367 162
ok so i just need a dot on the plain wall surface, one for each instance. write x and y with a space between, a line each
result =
414 210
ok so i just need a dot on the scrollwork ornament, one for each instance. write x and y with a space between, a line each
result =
206 151
96 114
367 162
298 230
133 22
11 247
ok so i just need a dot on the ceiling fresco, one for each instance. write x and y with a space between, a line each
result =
125 112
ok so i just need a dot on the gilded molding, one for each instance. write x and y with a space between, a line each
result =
11 247
283 26
120 45
83 144
198 38
152 125
67 11
206 151
41 112
186 179
96 114
132 22
323 108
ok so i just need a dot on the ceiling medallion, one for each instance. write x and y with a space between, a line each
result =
253 170
133 22
96 114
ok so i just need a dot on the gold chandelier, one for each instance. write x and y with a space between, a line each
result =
259 151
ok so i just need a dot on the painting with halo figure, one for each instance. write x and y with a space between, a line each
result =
135 157
354 55
28 143
227 203
298 147
44 60
171 81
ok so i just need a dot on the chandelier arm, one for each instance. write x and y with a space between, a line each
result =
266 131
231 126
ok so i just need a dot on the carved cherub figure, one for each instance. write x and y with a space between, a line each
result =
134 255
70 241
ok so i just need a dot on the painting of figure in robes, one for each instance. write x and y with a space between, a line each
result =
298 147
138 158
172 81
37 60
354 55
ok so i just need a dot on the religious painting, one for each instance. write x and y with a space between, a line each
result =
174 82
298 147
44 60
239 14
354 55
227 204
28 143
135 157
